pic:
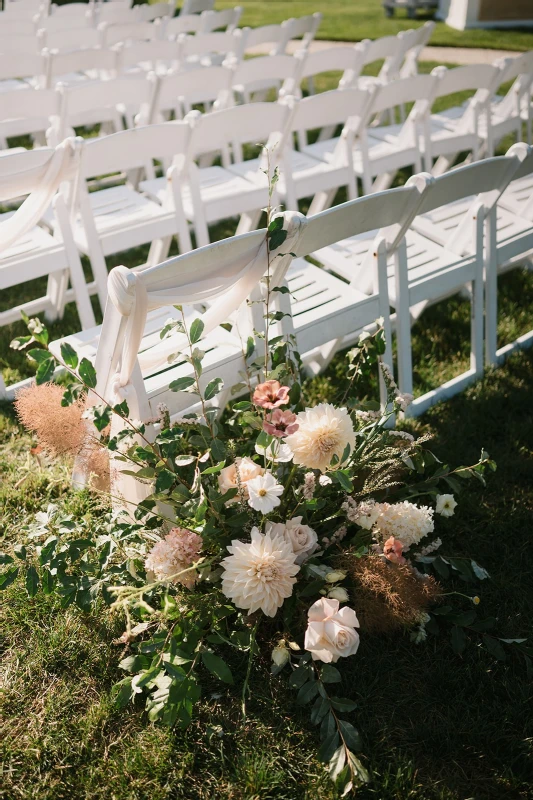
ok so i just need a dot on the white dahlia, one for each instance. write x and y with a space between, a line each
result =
259 574
405 521
323 432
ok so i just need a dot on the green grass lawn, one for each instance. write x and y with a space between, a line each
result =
436 726
353 20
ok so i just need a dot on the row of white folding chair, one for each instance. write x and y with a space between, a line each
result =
445 252
206 22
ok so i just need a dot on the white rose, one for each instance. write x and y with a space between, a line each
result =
335 576
302 538
338 593
227 478
331 632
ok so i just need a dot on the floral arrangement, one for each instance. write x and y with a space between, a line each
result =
277 530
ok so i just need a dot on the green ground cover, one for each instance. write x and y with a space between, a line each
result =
436 726
353 20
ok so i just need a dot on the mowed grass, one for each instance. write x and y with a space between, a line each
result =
435 726
353 20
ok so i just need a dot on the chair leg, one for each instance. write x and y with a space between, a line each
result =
403 324
77 278
321 201
55 291
248 221
476 352
158 251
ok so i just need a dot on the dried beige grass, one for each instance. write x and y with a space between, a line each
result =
389 596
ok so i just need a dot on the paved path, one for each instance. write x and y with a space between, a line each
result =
442 55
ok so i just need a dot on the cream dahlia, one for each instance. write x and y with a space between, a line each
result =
259 574
178 550
323 432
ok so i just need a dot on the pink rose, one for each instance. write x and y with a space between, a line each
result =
392 550
271 394
331 632
280 423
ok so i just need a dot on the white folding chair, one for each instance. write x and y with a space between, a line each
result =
303 28
27 251
141 58
18 44
190 23
384 149
345 60
27 112
175 93
320 169
279 73
265 40
116 13
70 40
208 49
413 43
17 69
226 20
196 6
160 10
69 17
457 129
387 49
17 27
128 32
238 188
118 218
112 104
506 112
71 67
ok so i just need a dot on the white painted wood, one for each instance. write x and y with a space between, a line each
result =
70 39
71 67
25 112
227 20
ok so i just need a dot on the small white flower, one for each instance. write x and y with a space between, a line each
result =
264 493
335 576
338 593
325 480
446 504
280 655
404 400
276 451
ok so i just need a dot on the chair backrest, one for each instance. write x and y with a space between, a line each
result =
27 111
274 35
23 172
406 90
72 39
131 149
196 6
83 18
413 42
21 65
333 59
116 13
386 49
282 68
91 58
252 123
227 20
519 70
460 79
93 102
20 44
188 23
204 44
178 91
155 54
70 10
331 108
161 10
304 28
128 31
17 27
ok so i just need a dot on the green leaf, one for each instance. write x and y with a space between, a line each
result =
458 640
218 449
45 371
344 480
32 581
20 342
328 727
69 355
494 647
87 373
38 354
196 330
217 666
312 588
238 520
357 768
5 559
350 734
121 693
181 384
164 480
337 762
212 470
20 552
276 224
276 238
295 393
8 577
300 676
320 708
330 674
307 692
343 704
441 567
48 582
329 747
213 388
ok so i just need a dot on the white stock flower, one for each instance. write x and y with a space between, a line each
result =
331 632
302 538
259 574
323 432
248 470
446 504
264 493
405 521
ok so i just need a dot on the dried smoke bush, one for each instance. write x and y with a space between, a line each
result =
388 596
60 430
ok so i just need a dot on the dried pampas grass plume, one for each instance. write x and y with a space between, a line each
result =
389 596
61 430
